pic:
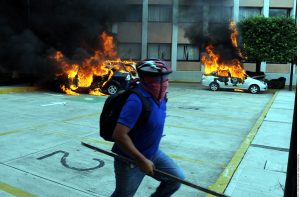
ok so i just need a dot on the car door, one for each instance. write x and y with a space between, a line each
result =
245 85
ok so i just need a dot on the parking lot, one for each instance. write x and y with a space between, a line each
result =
41 134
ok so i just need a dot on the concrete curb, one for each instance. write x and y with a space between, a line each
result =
17 89
225 177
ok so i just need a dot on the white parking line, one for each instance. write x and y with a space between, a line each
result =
54 94
54 103
88 99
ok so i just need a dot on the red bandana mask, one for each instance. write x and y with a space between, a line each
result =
157 86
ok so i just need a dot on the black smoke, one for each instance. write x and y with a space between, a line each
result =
217 32
30 30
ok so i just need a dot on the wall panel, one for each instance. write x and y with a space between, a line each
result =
251 3
159 32
278 68
188 66
281 3
129 32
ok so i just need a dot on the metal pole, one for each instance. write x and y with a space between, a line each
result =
144 42
158 172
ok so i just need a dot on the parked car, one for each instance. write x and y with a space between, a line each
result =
256 75
122 78
276 83
119 81
110 83
215 83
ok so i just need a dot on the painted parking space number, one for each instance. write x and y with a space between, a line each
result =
63 161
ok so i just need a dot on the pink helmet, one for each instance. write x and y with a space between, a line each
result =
153 67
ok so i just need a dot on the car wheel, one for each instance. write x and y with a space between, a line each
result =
254 89
214 86
112 88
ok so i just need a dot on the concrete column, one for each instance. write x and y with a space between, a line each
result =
202 68
266 8
236 9
263 66
174 35
144 29
205 26
293 10
294 72
294 68
114 28
205 19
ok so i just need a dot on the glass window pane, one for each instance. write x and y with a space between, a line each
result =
190 14
160 13
161 51
279 12
133 14
187 52
248 12
220 14
129 51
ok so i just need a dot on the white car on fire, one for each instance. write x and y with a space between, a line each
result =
215 83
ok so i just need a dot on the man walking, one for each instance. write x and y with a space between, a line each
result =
141 143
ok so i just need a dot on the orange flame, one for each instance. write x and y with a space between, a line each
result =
234 38
68 90
58 55
214 64
96 92
234 33
108 45
101 63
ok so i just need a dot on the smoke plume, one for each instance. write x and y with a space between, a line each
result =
32 29
217 33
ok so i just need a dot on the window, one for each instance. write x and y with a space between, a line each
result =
247 12
220 14
189 14
161 51
129 51
160 13
133 14
187 52
279 12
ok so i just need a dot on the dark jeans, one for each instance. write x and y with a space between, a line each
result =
129 177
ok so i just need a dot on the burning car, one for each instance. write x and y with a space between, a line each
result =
215 82
118 76
228 74
100 73
117 79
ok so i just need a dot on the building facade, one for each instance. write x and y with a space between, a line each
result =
166 29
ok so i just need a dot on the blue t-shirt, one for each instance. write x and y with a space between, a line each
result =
146 137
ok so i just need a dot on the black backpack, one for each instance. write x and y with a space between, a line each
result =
112 108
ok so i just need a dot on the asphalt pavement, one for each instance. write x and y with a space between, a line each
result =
232 142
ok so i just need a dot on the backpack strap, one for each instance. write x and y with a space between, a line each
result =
146 107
